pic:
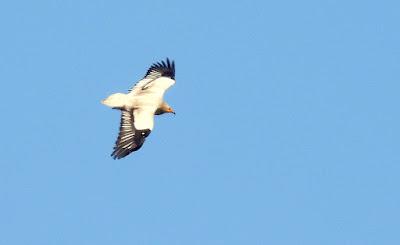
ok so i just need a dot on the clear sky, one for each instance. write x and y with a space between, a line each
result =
287 125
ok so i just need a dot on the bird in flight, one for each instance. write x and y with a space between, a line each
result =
139 105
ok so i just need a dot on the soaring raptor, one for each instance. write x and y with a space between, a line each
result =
139 106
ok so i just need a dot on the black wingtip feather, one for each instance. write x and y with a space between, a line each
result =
129 138
165 68
138 141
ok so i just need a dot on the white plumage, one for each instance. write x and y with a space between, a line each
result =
139 106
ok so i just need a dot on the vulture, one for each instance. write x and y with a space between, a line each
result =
139 105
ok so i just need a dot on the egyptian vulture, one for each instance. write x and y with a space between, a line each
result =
139 105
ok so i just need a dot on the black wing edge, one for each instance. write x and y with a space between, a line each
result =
126 145
165 68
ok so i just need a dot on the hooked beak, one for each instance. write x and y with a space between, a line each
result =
172 111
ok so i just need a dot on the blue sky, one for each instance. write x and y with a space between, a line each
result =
287 125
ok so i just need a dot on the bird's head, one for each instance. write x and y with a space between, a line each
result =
164 108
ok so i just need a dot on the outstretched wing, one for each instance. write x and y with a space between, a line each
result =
129 139
157 70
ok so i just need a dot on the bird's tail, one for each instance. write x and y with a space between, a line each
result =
115 101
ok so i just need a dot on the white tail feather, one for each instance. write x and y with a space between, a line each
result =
117 100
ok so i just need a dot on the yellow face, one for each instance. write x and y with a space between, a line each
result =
170 110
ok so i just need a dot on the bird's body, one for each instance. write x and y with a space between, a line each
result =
139 106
